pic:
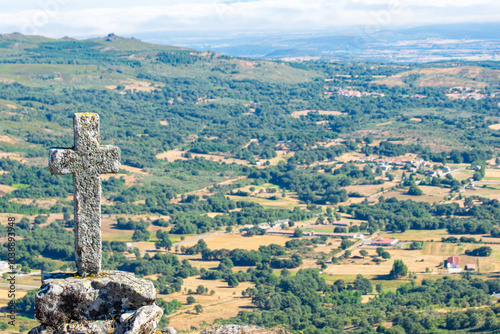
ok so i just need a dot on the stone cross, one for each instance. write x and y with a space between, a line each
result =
86 161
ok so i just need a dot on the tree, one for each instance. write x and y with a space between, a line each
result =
285 273
380 250
363 253
399 269
481 251
346 243
190 300
297 233
140 235
163 240
200 289
414 190
362 284
379 287
198 308
339 284
416 245
232 281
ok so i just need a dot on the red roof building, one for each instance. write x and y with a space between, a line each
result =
452 262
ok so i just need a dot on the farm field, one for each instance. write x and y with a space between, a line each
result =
431 194
299 113
204 135
234 241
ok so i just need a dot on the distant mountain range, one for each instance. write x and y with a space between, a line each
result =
416 44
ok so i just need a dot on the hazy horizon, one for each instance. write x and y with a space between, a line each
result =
59 18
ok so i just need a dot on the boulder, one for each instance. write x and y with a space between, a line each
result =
85 327
168 330
66 298
143 321
41 330
237 329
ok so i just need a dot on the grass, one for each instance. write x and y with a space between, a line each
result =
375 279
418 235
463 76
20 185
281 202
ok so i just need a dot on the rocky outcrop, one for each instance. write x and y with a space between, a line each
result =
237 329
111 302
142 321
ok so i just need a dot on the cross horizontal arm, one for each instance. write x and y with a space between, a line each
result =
62 161
108 159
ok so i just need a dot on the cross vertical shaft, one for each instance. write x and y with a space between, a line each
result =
86 161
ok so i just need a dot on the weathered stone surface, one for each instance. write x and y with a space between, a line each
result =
41 330
237 329
90 327
168 330
85 327
103 297
143 321
86 162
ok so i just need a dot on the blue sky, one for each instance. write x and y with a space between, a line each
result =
76 18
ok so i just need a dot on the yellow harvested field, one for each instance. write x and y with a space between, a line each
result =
369 189
164 123
134 170
419 235
224 310
415 119
11 155
41 203
172 155
214 214
234 240
4 294
492 173
225 303
436 235
351 157
431 194
140 86
7 139
222 290
484 192
495 126
129 178
463 174
5 189
418 261
111 233
223 159
386 123
299 113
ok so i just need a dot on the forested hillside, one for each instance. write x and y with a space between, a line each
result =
287 171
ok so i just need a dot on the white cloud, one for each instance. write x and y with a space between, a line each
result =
57 18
